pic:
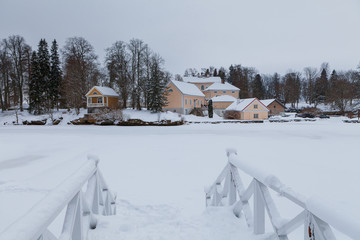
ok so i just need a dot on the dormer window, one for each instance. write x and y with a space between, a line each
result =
202 87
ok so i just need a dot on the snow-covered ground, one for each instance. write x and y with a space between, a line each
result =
159 173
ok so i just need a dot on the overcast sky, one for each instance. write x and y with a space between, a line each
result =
270 35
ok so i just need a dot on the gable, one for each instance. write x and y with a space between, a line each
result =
94 92
172 89
256 106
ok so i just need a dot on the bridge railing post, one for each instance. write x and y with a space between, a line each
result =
259 210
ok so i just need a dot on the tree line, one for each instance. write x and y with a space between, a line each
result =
312 85
51 78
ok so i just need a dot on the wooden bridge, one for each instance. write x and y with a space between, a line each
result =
86 196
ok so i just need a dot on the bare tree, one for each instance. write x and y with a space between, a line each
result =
137 50
5 71
310 74
117 62
19 53
81 71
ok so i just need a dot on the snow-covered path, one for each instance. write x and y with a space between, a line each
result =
166 222
169 166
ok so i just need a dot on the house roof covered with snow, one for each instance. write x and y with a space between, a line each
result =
105 91
222 86
267 102
242 104
223 98
188 88
202 79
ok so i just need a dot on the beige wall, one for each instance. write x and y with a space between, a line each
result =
174 97
210 94
275 108
205 85
249 113
180 103
221 104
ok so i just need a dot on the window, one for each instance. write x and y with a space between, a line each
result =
89 100
215 91
255 106
256 115
185 101
274 106
224 91
190 101
233 91
95 93
202 87
170 90
201 103
99 99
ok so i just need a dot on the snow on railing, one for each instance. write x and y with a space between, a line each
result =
82 207
316 217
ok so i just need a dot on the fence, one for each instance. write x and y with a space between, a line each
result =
229 190
82 208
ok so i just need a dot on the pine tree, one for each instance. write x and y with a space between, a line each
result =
157 95
257 87
321 87
44 71
215 73
55 76
35 86
210 109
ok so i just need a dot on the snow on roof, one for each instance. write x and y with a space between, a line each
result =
188 88
222 86
267 102
241 104
202 80
105 91
223 98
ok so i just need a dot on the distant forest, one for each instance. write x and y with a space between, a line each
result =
50 77
314 85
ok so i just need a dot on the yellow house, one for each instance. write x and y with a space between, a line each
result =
183 97
101 98
219 89
247 109
220 103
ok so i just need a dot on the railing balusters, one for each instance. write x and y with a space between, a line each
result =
259 210
81 208
232 189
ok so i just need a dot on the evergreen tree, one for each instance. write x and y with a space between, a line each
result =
44 73
210 109
157 96
257 87
35 87
321 87
55 76
215 73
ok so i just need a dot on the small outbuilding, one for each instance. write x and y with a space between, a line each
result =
274 105
101 98
247 109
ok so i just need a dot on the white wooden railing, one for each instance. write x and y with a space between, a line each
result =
229 190
81 212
